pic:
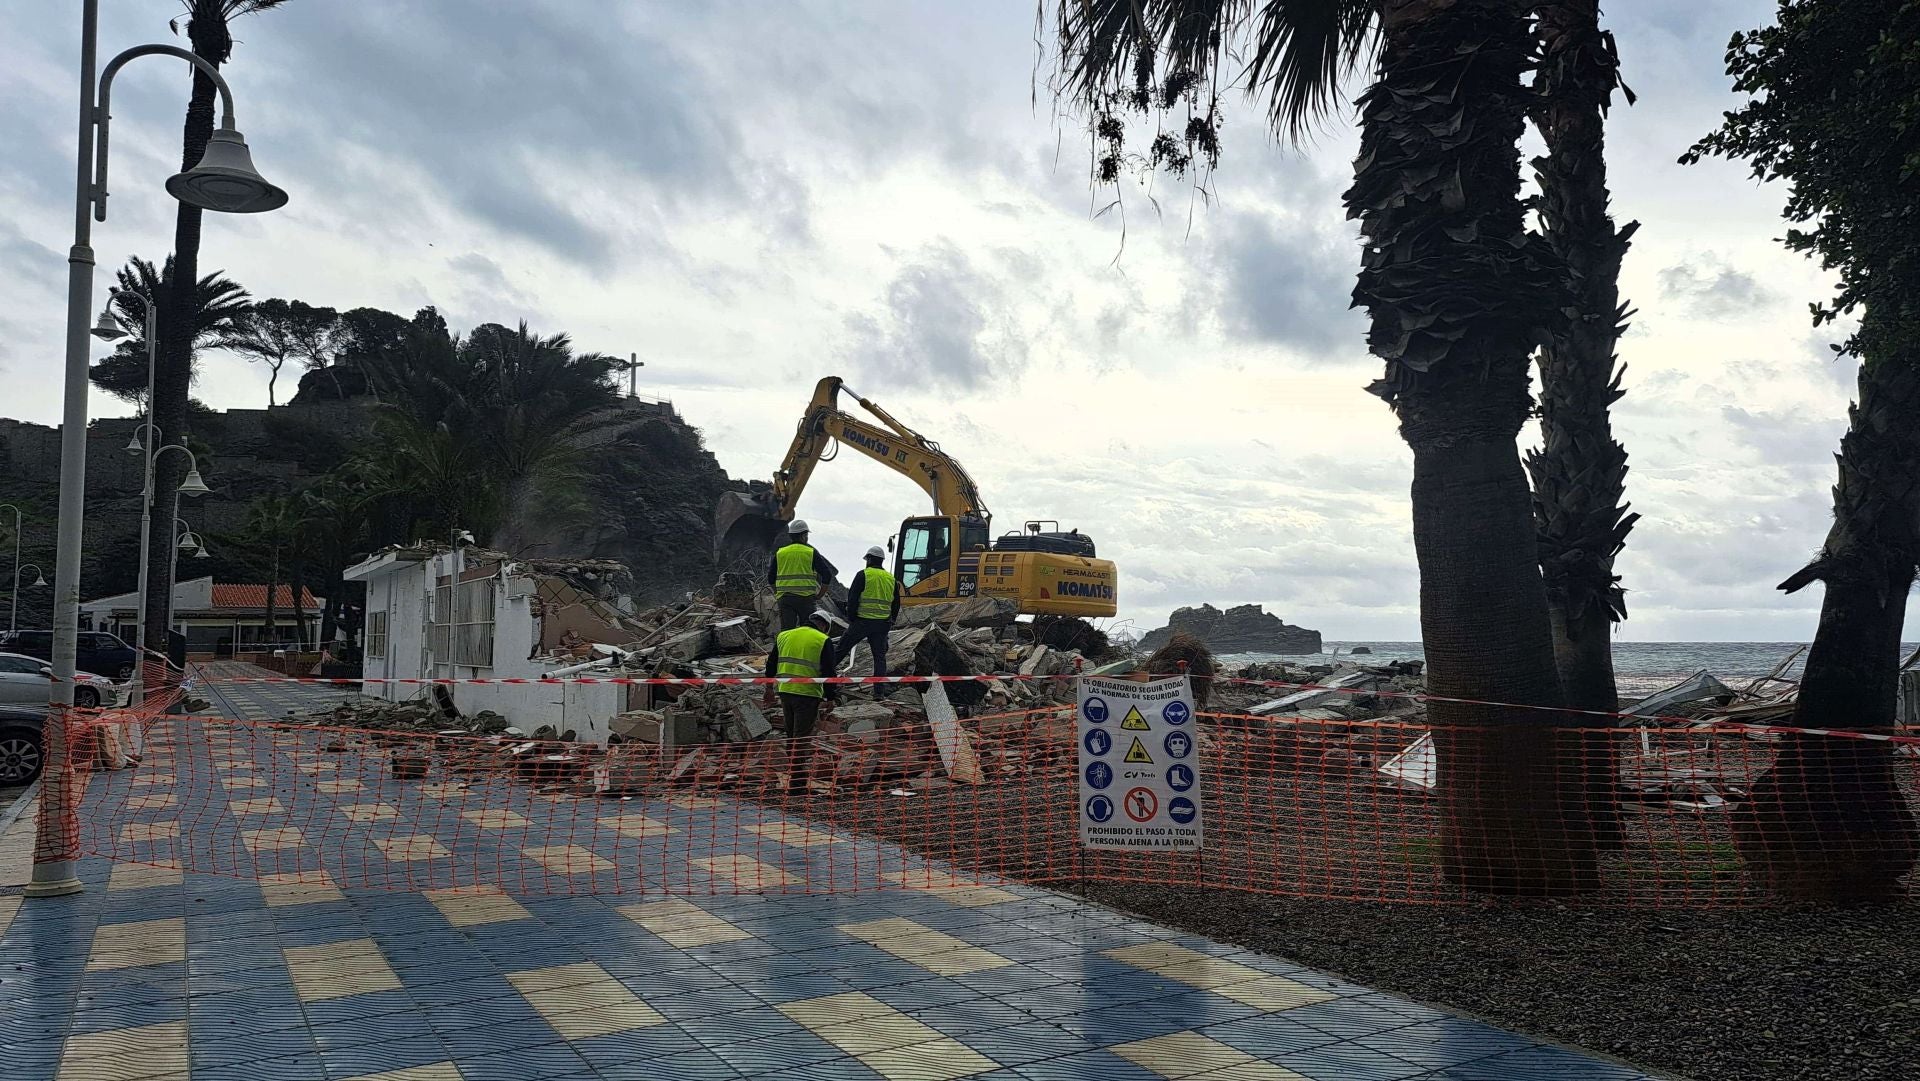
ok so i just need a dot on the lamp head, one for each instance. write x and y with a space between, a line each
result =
106 328
225 179
193 485
201 554
39 580
187 542
134 445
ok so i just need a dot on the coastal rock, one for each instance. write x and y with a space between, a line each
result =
1244 628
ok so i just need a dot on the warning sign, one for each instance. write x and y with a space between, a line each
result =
1141 791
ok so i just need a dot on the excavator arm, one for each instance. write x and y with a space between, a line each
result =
748 523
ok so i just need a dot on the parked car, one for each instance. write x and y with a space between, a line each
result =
20 731
98 651
27 681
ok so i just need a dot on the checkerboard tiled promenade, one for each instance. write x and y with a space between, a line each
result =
154 973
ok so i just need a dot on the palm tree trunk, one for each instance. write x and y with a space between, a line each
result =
1828 822
1457 294
273 588
173 361
297 584
1579 473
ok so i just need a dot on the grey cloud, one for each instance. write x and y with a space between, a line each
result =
1285 283
1713 290
938 325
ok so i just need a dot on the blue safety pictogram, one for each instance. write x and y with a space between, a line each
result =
1099 808
1095 709
1098 742
1179 777
1178 744
1099 775
1181 810
1176 713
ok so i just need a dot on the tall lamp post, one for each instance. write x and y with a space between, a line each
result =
13 620
107 328
144 438
223 180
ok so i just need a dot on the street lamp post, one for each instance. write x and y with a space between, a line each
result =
13 619
39 580
223 180
144 438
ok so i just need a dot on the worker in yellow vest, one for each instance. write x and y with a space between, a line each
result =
798 575
873 602
805 651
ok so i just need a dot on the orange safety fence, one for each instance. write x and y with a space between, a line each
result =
1661 816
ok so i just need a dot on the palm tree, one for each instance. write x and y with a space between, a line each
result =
220 302
1458 292
210 34
271 525
1833 101
1580 471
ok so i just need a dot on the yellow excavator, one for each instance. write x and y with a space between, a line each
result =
948 555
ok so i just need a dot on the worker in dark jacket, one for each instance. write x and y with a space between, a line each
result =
798 575
873 600
805 651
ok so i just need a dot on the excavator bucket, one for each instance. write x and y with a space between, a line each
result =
745 531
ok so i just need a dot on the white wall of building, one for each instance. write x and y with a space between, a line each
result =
403 589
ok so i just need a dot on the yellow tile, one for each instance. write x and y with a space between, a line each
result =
334 788
267 806
444 790
150 803
468 906
582 1001
1189 1054
339 969
412 848
9 907
747 871
568 859
1236 981
136 945
137 832
683 925
370 812
299 888
153 778
272 840
935 951
789 833
886 1040
439 1071
317 767
635 826
128 1054
140 876
951 888
695 803
243 782
496 819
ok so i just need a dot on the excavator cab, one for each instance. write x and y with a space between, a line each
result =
939 556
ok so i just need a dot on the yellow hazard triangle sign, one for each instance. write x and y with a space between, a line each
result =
1133 722
1137 753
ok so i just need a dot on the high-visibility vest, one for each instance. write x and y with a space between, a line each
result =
876 594
800 650
793 571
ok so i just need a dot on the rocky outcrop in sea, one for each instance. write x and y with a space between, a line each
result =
1244 628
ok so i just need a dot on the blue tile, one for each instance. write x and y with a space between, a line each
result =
976 1015
378 1058
1022 1044
251 1047
1352 1062
1543 1061
1118 1024
1090 1066
739 1026
380 1028
491 1039
654 1041
775 1054
691 1066
1437 1045
525 1064
838 1069
1271 1034
296 1068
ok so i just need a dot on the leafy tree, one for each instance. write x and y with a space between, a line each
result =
1458 293
270 530
210 34
1834 110
275 331
123 373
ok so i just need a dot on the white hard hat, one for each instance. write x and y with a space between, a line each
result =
876 552
797 526
826 617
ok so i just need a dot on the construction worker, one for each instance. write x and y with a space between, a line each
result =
873 602
798 575
806 650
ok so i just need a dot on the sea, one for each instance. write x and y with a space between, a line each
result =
1640 668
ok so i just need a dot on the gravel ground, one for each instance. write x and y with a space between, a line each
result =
1732 995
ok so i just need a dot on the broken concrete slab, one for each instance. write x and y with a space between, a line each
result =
955 745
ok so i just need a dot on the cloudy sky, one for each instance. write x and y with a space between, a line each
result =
753 195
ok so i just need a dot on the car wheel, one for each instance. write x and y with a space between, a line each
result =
19 756
86 697
126 672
